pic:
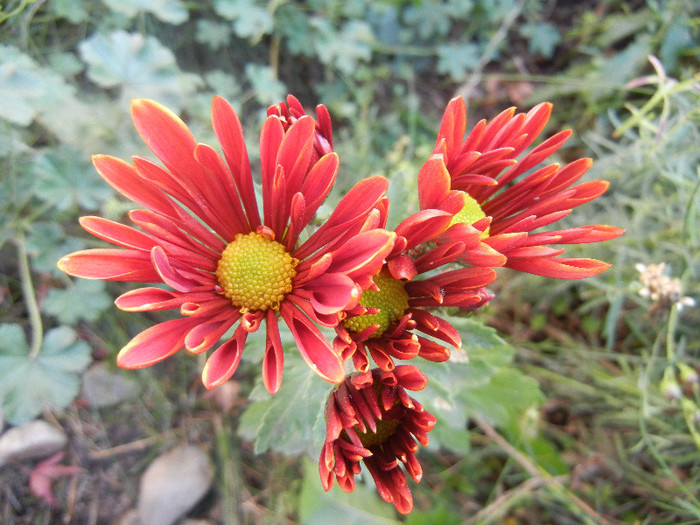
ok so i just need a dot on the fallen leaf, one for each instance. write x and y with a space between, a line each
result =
45 473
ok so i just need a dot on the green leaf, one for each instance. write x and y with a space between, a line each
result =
72 10
213 34
542 37
82 300
140 66
65 179
25 88
268 90
456 60
359 507
343 49
170 11
484 354
249 19
29 384
46 244
507 396
286 422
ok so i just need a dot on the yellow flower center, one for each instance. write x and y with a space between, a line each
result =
470 214
391 300
256 272
385 429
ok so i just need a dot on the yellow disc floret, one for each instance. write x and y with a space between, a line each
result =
256 272
391 300
385 429
470 214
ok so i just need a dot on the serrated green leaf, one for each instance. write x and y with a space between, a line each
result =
72 10
12 343
25 88
508 394
250 20
213 34
170 11
64 179
29 384
141 66
82 300
484 354
268 90
542 37
46 243
359 507
456 59
345 48
287 420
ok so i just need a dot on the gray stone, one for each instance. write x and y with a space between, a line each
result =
103 388
172 484
36 439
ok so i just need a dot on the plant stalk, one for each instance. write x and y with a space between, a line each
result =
29 296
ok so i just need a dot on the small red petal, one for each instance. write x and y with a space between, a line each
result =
313 347
433 183
273 362
150 299
117 234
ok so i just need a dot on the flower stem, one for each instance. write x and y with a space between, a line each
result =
30 298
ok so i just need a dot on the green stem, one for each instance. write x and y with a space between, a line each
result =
30 298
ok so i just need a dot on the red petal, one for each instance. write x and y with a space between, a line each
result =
313 347
433 183
318 183
453 126
331 293
402 267
363 254
423 226
224 361
110 265
410 377
155 343
228 130
205 335
167 136
123 177
169 275
353 208
294 154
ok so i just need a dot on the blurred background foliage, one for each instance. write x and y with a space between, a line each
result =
580 400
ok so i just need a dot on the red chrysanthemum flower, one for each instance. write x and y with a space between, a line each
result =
487 165
202 236
371 418
382 325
